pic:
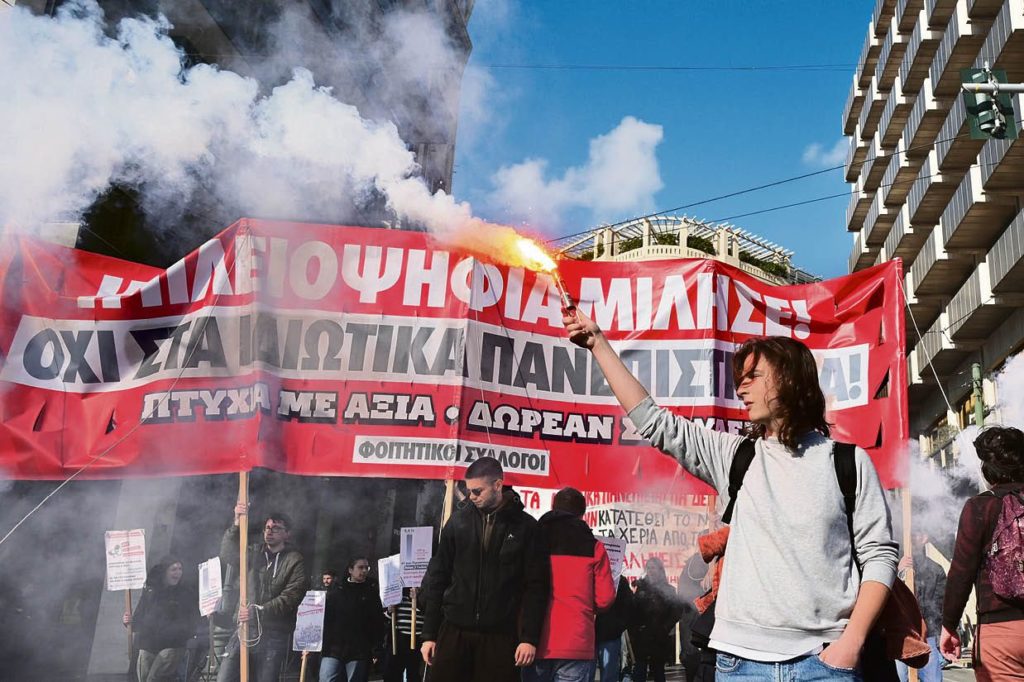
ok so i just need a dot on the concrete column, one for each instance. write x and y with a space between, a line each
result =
150 504
684 234
647 233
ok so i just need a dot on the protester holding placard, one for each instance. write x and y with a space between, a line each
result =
486 587
276 585
354 626
406 664
608 629
163 622
803 582
581 586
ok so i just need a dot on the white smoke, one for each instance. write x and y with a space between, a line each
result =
1010 389
83 111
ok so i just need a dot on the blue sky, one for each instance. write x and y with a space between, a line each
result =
526 134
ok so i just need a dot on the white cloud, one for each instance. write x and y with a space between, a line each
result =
816 155
621 175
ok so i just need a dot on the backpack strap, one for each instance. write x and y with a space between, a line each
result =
844 459
740 463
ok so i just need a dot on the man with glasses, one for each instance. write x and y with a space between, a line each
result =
487 586
276 584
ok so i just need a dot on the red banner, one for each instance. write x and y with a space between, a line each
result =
314 349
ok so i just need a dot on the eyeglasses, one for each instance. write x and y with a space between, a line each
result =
276 529
476 492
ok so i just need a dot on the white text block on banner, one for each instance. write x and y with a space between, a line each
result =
414 553
309 622
616 549
126 559
389 572
210 587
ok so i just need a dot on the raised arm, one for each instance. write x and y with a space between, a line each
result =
585 333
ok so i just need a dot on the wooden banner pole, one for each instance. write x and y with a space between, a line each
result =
394 633
449 501
243 574
302 668
412 628
908 550
128 610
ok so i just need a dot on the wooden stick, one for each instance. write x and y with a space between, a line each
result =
243 575
412 630
302 668
908 551
128 610
449 501
394 633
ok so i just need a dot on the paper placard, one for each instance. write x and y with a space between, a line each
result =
389 571
414 553
309 622
616 549
126 559
210 588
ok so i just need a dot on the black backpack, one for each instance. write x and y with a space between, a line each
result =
876 668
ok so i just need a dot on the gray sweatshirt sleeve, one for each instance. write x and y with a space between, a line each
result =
704 452
872 526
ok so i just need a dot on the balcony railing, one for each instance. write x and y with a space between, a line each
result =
870 95
889 179
868 52
1006 23
956 209
941 58
896 234
854 99
925 260
931 343
1006 255
920 186
950 131
992 154
968 299
883 56
882 15
939 11
855 253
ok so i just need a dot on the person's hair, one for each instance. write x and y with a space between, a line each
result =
799 403
157 573
1001 451
333 572
485 467
356 559
570 500
283 518
655 562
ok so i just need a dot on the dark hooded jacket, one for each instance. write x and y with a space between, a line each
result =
166 615
354 624
502 587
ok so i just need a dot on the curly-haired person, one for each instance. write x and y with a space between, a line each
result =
792 602
999 652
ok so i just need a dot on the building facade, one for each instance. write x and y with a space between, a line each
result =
948 205
662 237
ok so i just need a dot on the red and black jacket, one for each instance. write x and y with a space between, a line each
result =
581 585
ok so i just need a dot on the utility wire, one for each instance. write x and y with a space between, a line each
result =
803 68
767 185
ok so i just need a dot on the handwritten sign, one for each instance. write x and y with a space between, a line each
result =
414 553
616 549
210 588
309 622
126 559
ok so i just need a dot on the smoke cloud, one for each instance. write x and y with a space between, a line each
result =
1010 388
84 111
620 175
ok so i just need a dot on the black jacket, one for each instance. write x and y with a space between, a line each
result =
166 616
353 621
613 622
656 611
503 589
930 585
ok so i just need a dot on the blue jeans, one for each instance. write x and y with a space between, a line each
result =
332 669
802 669
609 660
559 670
265 657
931 672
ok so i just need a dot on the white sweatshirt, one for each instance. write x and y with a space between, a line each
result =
789 582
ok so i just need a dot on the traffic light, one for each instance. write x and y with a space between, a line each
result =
989 108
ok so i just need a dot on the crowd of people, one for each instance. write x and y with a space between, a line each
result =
802 592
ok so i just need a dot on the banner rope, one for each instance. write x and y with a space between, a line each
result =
931 365
164 398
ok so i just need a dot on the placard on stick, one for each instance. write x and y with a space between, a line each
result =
126 559
309 622
414 553
616 549
210 588
389 570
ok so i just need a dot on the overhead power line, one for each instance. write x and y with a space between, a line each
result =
803 68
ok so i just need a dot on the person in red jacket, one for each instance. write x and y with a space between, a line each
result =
581 586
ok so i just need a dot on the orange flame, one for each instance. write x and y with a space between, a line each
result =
502 244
